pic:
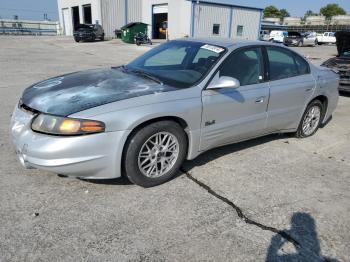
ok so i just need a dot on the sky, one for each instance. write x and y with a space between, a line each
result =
35 9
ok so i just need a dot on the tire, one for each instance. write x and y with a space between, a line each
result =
138 43
313 123
316 43
102 37
77 40
300 44
142 169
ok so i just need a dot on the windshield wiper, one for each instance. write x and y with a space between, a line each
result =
143 74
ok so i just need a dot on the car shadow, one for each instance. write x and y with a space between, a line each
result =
303 231
215 153
120 181
208 156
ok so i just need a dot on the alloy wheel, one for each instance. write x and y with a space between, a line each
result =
158 154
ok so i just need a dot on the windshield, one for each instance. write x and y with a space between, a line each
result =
178 63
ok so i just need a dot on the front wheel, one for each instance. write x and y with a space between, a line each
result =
311 119
154 154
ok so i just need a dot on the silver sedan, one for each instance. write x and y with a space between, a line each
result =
173 103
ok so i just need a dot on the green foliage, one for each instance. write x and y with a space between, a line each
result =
272 11
331 10
309 13
284 13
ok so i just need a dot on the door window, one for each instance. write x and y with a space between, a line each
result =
285 64
244 65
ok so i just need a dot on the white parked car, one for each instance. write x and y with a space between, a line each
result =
264 35
326 38
277 36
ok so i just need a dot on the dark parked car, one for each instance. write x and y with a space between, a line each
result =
300 39
89 32
341 63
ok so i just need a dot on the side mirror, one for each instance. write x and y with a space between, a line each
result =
225 82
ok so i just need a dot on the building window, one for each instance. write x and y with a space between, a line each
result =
216 29
240 30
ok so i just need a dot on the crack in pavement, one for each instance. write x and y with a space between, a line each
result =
239 211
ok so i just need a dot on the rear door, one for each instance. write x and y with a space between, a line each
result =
291 86
235 114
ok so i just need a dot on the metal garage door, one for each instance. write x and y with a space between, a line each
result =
211 20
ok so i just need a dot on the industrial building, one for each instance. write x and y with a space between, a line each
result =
209 18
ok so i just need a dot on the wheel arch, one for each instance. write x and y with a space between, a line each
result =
139 126
324 100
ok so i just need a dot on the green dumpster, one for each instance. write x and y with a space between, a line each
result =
131 29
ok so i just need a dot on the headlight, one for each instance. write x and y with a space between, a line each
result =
55 125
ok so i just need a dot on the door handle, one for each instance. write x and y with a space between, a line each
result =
260 100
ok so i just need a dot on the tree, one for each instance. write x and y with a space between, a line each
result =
284 13
309 13
272 11
331 10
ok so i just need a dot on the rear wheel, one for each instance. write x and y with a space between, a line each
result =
311 119
102 37
155 153
76 39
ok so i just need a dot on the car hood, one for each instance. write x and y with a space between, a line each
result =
338 63
72 93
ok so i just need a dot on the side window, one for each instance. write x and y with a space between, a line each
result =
240 30
216 29
244 65
282 63
303 66
171 56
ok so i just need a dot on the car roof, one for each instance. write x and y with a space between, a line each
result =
227 42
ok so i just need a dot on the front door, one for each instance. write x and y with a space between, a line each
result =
235 114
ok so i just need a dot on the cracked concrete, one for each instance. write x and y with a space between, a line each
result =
239 211
294 187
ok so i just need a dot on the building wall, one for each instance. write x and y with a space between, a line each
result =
229 18
185 17
134 11
249 19
95 11
113 16
205 16
179 16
